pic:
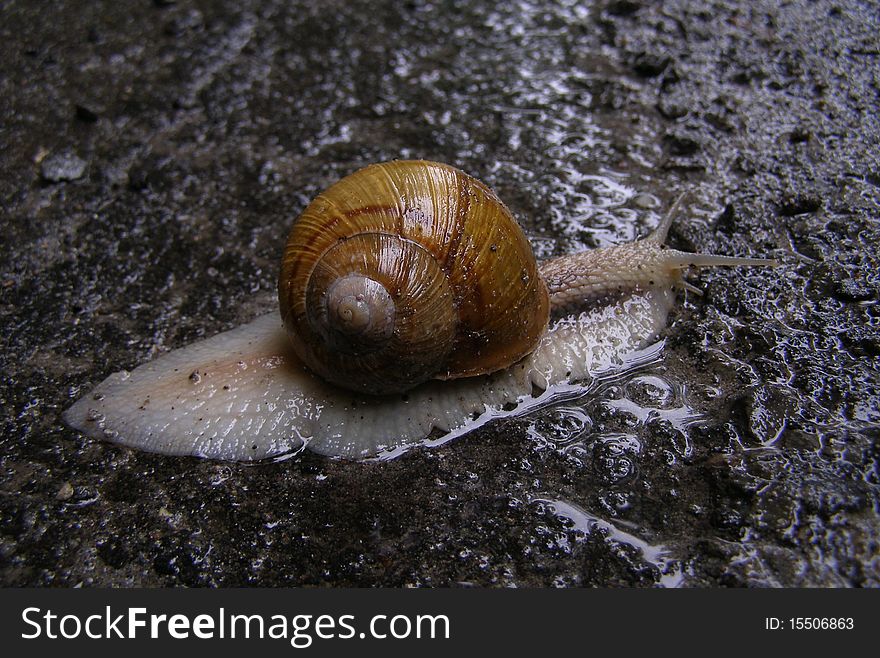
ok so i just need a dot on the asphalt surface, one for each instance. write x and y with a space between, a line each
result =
154 154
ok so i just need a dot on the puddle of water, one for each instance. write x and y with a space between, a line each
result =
587 524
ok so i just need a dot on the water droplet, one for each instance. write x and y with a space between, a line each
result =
650 391
614 458
560 425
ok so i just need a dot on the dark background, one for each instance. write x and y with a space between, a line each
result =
154 155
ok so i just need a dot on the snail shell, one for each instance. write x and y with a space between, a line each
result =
406 271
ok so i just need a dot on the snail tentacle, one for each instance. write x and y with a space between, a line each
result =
601 275
659 234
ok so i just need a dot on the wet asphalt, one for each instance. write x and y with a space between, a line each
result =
154 155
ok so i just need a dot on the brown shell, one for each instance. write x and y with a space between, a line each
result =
459 287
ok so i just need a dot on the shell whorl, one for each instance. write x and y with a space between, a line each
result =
406 271
376 299
356 307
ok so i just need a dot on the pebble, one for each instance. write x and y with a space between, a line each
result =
65 492
645 201
61 167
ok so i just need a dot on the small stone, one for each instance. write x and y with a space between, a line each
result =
65 492
645 201
62 167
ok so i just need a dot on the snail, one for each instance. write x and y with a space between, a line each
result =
411 305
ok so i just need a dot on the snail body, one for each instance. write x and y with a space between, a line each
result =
265 390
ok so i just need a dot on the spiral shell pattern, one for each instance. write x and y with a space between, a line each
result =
406 271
